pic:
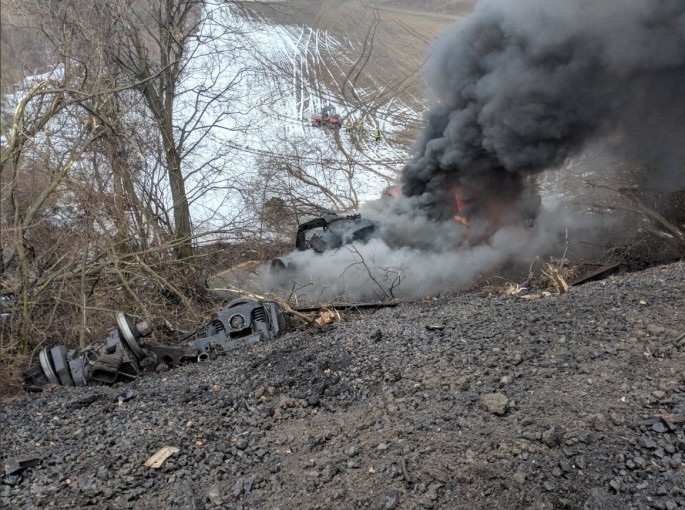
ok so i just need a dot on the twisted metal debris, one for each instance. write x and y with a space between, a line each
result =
124 354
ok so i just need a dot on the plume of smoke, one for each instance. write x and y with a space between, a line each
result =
521 85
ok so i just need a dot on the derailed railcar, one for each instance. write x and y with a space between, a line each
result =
124 354
329 231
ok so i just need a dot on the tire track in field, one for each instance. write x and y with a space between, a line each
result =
358 66
380 107
393 89
372 106
351 78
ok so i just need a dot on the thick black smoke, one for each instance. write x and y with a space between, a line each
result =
521 85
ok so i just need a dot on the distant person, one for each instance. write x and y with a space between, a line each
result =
348 126
377 135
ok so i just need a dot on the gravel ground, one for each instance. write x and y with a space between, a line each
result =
471 401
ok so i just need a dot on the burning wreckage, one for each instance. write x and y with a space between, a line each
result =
123 355
326 232
331 231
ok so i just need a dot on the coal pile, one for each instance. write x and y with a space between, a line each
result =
472 401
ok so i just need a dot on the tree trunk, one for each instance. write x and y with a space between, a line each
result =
181 209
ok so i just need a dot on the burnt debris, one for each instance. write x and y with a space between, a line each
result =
124 354
329 231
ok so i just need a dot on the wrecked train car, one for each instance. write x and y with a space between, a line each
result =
123 355
329 231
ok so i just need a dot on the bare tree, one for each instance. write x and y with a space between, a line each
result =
309 177
165 39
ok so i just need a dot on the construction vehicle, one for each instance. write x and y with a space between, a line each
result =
327 117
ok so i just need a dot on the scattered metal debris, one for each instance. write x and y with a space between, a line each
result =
14 466
126 396
123 354
12 480
435 327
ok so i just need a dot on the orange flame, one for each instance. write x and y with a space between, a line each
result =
460 206
391 191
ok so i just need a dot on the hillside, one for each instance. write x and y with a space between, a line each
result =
473 401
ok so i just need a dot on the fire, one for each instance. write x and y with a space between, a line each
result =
460 206
484 208
480 212
391 191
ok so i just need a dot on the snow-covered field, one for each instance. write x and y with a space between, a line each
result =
250 91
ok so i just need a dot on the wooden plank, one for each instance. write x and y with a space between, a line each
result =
162 455
598 274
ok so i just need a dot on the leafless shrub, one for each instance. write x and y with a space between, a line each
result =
89 155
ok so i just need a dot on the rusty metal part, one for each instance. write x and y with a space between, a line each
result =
46 365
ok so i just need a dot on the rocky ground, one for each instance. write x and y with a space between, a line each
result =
472 401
